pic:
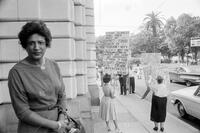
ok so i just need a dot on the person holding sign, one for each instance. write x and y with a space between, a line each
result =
132 81
159 102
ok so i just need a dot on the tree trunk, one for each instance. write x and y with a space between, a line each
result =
154 31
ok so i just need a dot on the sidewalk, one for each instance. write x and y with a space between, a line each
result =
126 121
133 117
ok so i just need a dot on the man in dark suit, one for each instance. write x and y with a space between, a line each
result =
121 83
124 83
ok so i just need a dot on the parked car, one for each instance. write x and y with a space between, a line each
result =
184 74
187 101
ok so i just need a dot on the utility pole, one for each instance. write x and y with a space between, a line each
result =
187 52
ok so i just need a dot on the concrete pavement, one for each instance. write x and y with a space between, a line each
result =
127 122
140 109
134 117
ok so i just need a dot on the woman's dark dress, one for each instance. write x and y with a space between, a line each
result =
33 89
158 108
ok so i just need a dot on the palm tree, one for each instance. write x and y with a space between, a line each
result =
153 22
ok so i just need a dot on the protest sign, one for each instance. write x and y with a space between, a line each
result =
152 67
116 52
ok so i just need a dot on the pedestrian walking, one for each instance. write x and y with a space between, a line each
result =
107 110
139 71
159 102
132 81
101 75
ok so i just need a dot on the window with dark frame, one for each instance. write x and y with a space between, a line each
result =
197 92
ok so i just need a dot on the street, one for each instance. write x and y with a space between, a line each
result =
141 88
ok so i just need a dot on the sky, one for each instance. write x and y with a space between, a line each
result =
128 15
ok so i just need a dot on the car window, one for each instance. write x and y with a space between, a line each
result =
178 69
197 92
187 69
182 69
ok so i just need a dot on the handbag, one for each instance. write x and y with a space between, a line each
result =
76 125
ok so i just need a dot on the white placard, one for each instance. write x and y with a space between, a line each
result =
116 52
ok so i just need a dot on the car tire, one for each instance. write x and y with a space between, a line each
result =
181 110
188 83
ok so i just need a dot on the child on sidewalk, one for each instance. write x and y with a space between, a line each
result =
107 109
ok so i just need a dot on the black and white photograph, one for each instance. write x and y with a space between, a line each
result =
99 66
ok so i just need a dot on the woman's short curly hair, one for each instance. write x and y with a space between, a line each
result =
106 78
159 79
30 28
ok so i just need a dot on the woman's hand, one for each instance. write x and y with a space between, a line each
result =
64 126
146 93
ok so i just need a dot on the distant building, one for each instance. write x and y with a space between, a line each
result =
195 48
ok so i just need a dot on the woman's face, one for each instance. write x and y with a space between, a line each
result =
36 47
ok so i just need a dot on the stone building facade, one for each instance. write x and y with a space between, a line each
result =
73 46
